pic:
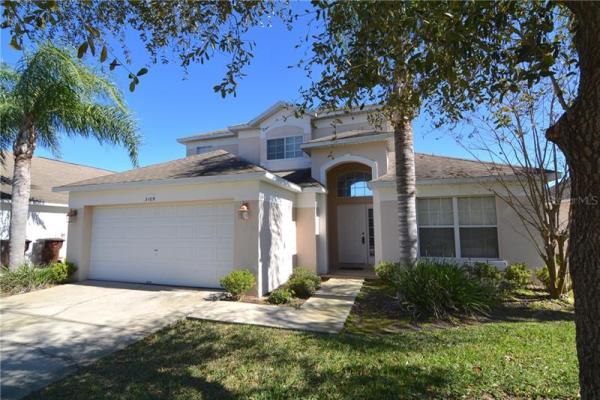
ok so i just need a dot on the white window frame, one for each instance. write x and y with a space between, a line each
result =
454 219
288 155
456 225
457 229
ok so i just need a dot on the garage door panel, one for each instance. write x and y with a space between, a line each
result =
188 245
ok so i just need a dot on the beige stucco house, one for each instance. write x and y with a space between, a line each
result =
283 191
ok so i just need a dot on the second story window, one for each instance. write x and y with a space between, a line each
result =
203 149
289 147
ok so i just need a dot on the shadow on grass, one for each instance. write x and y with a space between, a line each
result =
528 314
218 361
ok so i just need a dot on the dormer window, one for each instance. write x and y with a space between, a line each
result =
282 148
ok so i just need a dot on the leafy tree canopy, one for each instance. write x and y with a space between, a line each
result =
447 57
188 30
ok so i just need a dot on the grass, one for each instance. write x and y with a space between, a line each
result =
526 349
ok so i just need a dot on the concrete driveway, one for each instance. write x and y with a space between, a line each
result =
50 333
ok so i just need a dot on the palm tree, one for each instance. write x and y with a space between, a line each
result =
48 93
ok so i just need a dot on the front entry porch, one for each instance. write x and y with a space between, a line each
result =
350 218
366 271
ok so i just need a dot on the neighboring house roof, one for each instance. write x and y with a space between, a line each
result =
432 167
349 137
212 163
47 173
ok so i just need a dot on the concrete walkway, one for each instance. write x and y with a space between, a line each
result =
326 311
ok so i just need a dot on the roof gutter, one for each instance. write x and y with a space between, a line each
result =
205 136
448 181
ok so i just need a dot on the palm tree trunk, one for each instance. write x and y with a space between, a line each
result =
21 190
406 190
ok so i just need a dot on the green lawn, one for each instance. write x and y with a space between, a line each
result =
526 350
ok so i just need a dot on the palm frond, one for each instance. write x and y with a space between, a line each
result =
106 123
9 109
57 92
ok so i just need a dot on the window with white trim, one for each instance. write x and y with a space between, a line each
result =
463 227
435 218
203 149
478 227
288 147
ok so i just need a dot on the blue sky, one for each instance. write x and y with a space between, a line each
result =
169 106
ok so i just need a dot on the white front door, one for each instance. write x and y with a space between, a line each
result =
355 239
175 244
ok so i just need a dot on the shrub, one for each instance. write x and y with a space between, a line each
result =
442 290
543 276
238 282
388 272
280 296
303 283
304 273
302 286
485 271
29 277
517 276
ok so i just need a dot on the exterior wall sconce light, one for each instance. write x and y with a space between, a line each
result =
71 215
244 211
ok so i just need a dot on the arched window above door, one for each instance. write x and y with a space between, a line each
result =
354 184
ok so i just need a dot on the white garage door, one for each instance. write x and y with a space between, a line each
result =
184 244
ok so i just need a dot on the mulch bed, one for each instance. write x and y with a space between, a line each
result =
263 300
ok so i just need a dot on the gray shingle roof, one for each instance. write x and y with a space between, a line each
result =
301 177
221 163
213 163
428 166
47 173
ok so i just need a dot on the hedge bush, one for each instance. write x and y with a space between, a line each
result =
305 273
303 283
302 288
543 276
517 276
280 296
238 282
485 271
29 277
387 272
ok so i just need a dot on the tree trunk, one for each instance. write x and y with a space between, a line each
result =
553 288
21 190
577 133
406 190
